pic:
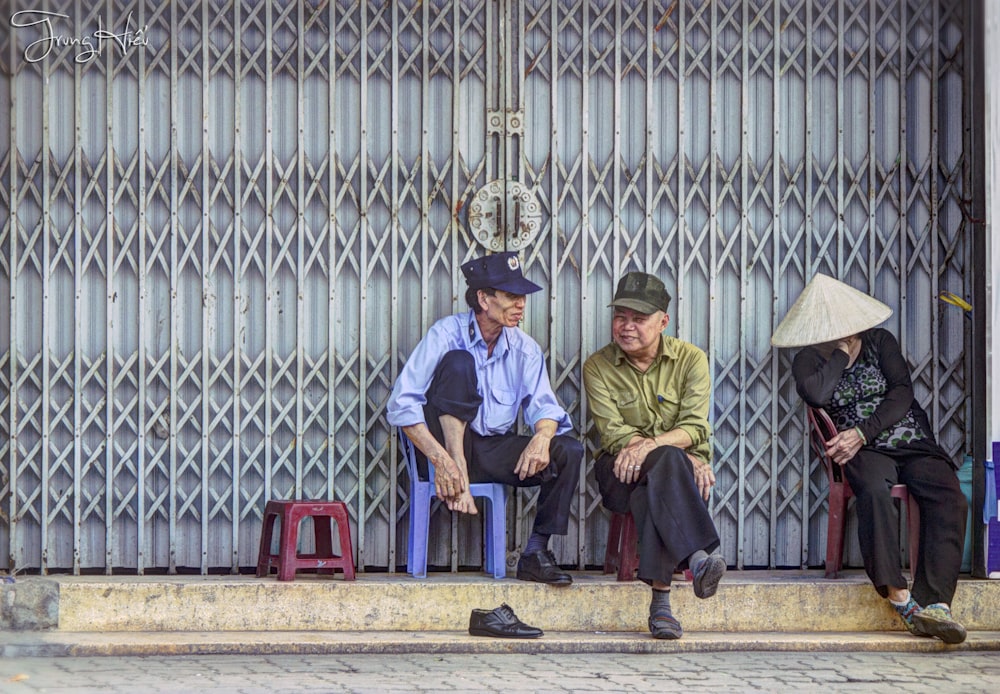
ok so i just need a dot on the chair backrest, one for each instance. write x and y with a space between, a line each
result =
821 430
410 453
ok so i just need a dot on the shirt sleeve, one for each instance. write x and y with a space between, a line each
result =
815 377
406 403
608 421
697 389
539 400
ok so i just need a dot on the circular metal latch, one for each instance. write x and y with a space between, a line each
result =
505 215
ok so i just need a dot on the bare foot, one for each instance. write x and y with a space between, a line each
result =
463 503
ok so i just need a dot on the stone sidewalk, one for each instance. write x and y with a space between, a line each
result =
878 673
433 643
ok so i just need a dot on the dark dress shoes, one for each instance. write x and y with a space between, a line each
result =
541 567
501 622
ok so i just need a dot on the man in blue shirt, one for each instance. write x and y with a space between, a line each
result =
458 399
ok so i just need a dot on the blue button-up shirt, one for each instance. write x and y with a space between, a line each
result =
514 376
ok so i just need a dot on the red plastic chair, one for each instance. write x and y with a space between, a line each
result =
821 430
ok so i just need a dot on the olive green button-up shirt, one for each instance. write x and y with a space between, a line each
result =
672 394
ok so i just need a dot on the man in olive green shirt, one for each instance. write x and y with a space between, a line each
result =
648 395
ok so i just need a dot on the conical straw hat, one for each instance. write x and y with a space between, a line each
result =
828 310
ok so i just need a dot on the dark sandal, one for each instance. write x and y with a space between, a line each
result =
665 627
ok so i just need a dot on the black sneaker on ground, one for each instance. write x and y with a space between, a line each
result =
502 623
541 567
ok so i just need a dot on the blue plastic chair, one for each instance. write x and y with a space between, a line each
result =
421 494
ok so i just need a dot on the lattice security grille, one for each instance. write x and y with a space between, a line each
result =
220 244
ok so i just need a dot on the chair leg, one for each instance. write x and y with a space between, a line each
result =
266 536
612 552
628 553
324 540
420 519
836 522
289 547
411 535
488 544
913 530
346 548
496 527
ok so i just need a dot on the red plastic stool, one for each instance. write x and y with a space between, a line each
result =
622 551
287 560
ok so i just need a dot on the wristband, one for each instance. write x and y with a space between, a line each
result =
864 441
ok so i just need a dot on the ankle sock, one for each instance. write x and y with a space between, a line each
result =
536 543
909 597
662 623
906 611
659 605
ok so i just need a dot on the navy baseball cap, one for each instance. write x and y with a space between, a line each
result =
498 271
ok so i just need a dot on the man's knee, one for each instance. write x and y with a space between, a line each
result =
454 387
614 493
566 448
458 363
565 454
668 458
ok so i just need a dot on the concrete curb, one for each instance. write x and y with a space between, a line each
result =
120 644
747 602
29 604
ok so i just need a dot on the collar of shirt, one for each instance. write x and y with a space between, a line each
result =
666 350
475 340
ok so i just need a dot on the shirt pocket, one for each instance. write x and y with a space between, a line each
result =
669 402
632 409
504 397
504 408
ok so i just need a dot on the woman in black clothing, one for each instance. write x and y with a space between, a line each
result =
858 374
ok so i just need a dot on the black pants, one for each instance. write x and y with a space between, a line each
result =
671 518
931 480
454 391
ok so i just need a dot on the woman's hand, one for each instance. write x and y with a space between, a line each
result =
844 446
848 344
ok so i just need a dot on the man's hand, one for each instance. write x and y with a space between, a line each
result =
449 482
628 462
535 456
703 476
844 446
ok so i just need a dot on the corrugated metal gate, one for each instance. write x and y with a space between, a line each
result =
224 232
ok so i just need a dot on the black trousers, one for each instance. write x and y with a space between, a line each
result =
931 480
454 391
671 518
